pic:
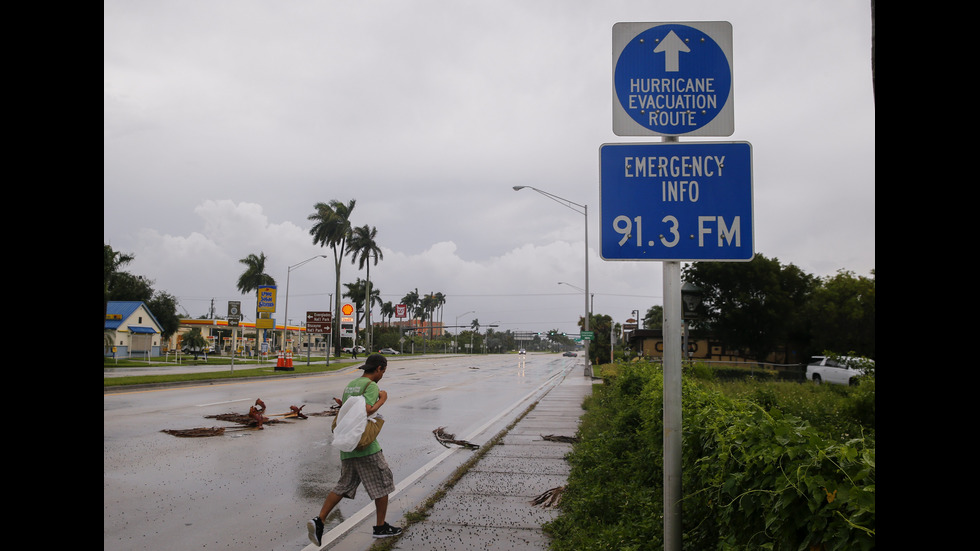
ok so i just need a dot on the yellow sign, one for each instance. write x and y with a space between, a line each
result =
265 321
266 299
347 309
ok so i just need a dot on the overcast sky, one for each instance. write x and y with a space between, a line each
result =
225 122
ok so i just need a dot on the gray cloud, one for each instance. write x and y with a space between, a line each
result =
224 124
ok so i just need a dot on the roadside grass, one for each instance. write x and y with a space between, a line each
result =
242 368
240 371
188 359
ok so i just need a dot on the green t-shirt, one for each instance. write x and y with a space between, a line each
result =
369 389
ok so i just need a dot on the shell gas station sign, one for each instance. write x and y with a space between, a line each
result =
347 320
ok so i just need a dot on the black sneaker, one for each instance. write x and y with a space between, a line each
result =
315 526
386 531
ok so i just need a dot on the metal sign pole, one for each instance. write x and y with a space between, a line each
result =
672 405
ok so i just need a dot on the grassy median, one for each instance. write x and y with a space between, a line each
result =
241 370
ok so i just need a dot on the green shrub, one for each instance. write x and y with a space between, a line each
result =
838 411
701 371
757 474
757 479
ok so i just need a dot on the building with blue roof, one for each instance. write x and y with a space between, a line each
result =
132 329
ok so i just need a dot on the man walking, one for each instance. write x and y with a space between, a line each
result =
367 465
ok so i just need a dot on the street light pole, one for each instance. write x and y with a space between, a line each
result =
456 337
285 313
585 212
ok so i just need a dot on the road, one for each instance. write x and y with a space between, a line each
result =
256 489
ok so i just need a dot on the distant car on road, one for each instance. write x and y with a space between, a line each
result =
388 351
841 372
359 349
522 351
570 354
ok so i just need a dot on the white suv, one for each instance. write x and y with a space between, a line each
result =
823 369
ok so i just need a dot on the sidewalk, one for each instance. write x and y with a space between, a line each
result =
489 508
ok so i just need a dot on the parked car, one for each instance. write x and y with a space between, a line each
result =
570 354
841 372
350 349
388 351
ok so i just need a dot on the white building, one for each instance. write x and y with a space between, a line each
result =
132 329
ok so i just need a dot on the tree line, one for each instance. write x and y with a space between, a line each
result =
763 306
756 307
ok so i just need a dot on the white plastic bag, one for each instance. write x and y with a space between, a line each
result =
350 423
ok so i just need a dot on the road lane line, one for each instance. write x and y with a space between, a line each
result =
224 402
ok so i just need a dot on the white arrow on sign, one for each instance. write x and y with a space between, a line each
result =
671 45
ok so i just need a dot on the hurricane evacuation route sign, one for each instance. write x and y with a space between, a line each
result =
686 201
673 79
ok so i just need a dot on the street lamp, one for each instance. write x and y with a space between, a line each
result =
690 300
583 210
285 313
456 324
581 290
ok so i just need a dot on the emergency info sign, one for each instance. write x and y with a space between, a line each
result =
673 79
676 201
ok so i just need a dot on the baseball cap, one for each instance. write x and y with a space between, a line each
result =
374 361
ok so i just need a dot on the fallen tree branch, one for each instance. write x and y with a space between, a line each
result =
253 420
565 439
195 433
550 498
446 438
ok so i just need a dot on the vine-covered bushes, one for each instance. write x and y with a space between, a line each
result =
755 475
837 411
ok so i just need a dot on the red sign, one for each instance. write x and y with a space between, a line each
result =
401 311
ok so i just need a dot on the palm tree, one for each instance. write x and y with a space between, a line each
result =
254 276
331 226
440 302
411 302
363 247
387 311
112 262
428 304
421 315
194 342
475 324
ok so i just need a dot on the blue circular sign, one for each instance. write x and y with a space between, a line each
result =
672 79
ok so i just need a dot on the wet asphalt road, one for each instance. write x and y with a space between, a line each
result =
255 489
